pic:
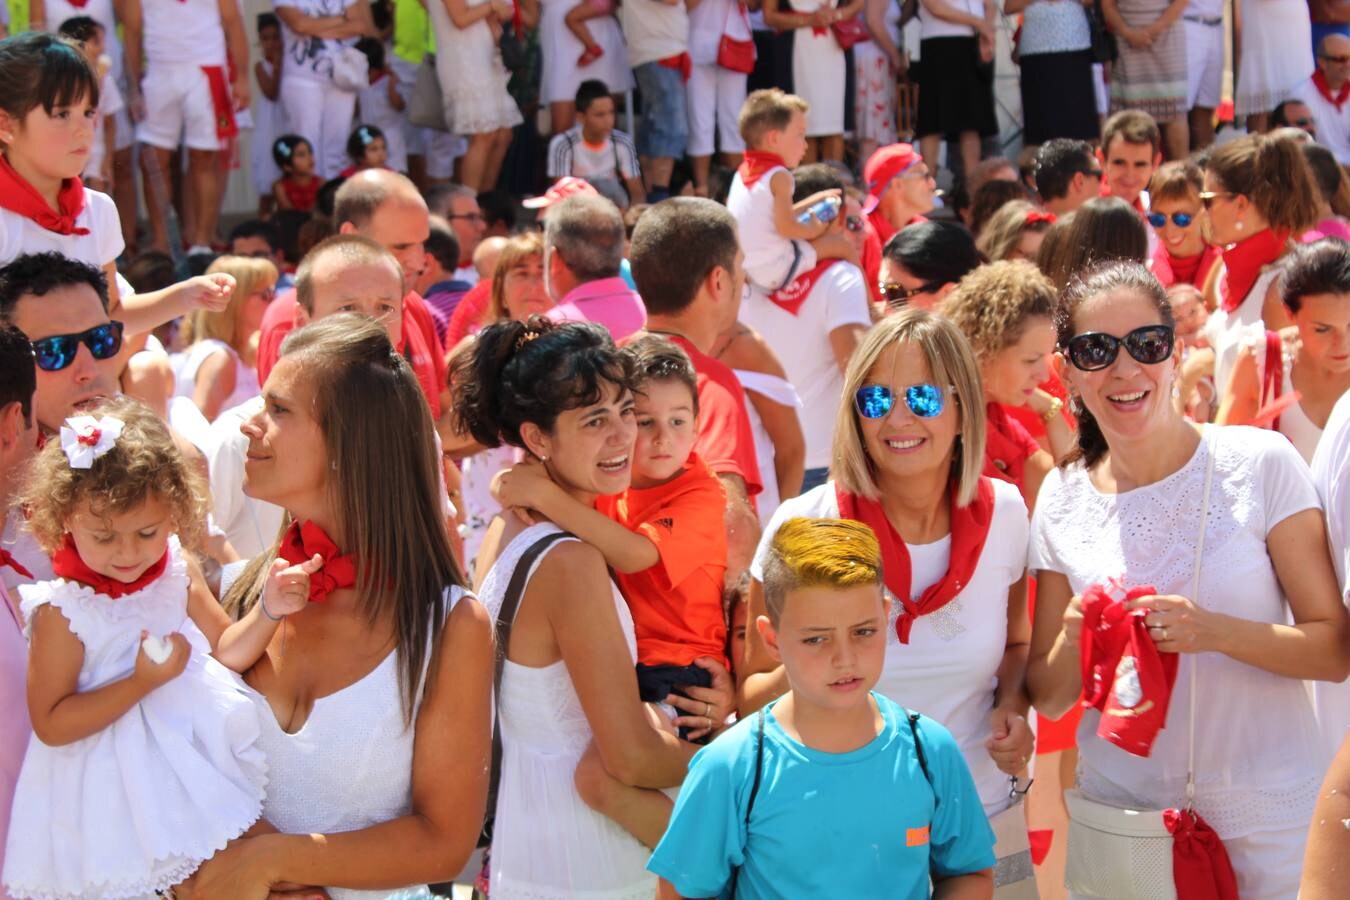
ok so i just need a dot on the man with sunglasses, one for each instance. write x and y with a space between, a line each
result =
1326 93
1067 175
900 191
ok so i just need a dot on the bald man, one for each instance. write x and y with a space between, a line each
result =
387 208
1326 94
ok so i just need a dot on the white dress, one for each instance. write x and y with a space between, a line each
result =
818 71
560 49
547 843
473 78
1276 53
349 766
140 805
874 95
375 109
1259 758
269 123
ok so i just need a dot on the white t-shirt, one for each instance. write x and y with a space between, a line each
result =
948 669
251 525
933 27
1333 125
1258 757
1331 474
310 58
802 345
102 245
183 31
654 30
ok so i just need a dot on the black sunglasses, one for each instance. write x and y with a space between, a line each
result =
58 351
1181 220
898 294
1095 350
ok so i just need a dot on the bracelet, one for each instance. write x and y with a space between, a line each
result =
1056 407
262 602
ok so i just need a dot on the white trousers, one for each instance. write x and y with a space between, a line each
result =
715 96
321 113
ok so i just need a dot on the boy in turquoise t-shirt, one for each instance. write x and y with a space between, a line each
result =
831 790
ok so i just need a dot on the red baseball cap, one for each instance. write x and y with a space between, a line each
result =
560 190
883 165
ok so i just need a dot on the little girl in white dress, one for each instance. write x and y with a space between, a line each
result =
144 760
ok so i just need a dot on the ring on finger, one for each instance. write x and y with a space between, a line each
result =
707 711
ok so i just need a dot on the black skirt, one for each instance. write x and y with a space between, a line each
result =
1058 97
956 90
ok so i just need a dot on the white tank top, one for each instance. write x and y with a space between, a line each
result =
350 765
189 362
765 249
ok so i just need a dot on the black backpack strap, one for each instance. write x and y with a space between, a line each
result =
918 751
506 617
754 789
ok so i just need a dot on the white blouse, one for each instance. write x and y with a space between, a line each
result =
1259 763
948 670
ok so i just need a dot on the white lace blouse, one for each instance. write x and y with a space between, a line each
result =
1258 760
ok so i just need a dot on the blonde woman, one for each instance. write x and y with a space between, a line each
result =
216 368
908 453
1015 231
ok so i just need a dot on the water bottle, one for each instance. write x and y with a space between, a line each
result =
822 210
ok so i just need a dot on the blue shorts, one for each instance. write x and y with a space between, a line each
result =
663 131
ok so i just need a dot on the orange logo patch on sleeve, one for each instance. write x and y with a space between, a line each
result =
916 837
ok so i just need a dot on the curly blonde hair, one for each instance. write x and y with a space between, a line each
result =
145 461
992 304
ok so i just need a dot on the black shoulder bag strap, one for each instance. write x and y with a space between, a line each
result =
754 790
506 617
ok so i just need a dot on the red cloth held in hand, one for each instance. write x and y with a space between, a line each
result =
304 539
1124 674
1201 869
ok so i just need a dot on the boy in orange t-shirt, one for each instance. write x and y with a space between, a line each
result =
664 537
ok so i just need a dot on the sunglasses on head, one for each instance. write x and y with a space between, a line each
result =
898 294
1207 198
55 353
1095 350
1181 220
875 401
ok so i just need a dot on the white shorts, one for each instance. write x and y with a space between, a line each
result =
178 108
1204 65
715 99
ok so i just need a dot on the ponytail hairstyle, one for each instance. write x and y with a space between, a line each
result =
518 372
1091 444
39 69
385 492
1271 172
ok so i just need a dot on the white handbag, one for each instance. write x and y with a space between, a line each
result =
1126 854
351 70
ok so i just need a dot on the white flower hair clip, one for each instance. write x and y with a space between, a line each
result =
84 438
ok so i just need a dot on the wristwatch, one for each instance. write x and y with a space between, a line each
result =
1056 407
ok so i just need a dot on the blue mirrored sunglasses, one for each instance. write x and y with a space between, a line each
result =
875 401
1181 220
55 353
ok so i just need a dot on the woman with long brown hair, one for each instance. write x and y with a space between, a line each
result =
375 699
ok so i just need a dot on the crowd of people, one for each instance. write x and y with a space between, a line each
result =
793 530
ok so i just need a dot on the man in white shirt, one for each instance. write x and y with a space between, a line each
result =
1326 93
595 150
1331 474
657 33
813 326
180 95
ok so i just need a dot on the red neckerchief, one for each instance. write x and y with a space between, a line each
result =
970 526
1320 82
757 164
222 104
790 298
18 196
66 563
1037 216
303 197
1243 263
1200 863
1124 674
1005 457
299 544
680 62
7 559
1192 270
885 230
